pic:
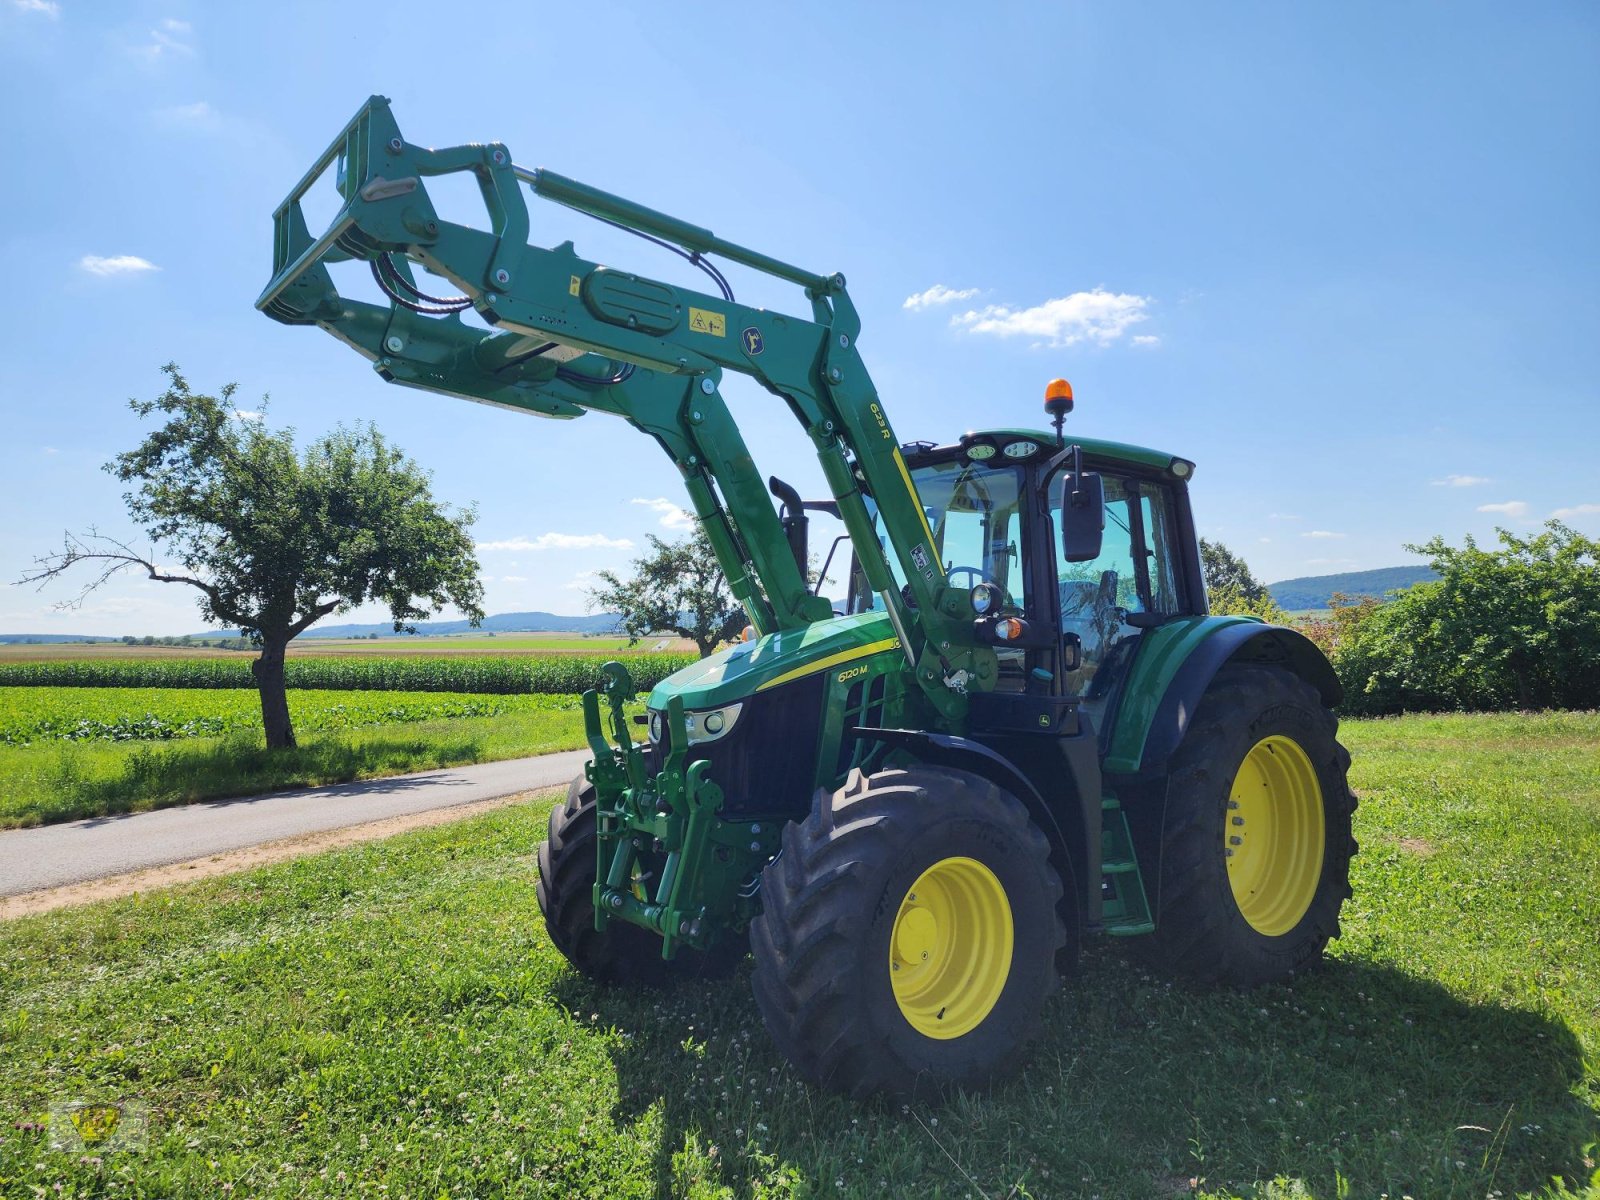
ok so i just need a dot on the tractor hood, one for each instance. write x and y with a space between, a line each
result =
778 658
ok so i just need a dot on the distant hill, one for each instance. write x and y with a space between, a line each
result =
47 639
1314 591
523 622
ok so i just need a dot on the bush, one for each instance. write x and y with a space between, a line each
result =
1514 627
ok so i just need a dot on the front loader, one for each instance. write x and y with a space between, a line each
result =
1022 729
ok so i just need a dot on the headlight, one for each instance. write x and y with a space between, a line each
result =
706 725
712 723
984 598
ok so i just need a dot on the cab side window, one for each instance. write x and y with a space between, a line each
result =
1137 572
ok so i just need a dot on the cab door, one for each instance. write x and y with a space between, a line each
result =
1139 580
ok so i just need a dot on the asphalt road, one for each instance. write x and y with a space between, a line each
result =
76 851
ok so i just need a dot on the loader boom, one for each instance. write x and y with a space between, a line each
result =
569 335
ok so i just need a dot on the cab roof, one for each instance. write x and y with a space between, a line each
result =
1094 447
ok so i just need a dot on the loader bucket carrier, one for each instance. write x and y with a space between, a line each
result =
1024 728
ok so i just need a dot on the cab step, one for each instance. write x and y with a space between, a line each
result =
1125 911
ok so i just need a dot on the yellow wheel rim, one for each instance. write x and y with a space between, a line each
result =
1275 835
950 948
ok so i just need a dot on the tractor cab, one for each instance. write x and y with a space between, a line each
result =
995 503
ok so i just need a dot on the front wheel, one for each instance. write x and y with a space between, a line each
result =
1256 842
908 934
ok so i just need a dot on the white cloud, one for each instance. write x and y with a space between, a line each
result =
1096 316
118 264
1511 508
581 581
673 516
245 414
170 39
560 541
1577 510
51 450
48 8
1263 539
936 295
199 115
513 579
1283 517
1146 341
1321 533
1460 481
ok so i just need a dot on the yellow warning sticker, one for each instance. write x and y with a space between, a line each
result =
572 288
703 320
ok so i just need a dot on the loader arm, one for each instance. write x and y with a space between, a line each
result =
569 335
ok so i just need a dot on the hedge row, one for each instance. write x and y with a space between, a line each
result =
488 673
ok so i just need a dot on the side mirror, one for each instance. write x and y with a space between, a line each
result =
1083 517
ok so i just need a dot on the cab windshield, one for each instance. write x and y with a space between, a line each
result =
975 514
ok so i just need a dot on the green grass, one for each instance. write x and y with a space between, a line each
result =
61 780
393 1017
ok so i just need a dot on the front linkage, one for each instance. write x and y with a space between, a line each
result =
666 861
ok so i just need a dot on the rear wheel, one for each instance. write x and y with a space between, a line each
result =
623 953
1256 843
908 934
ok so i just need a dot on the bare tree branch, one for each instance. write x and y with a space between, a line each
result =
116 556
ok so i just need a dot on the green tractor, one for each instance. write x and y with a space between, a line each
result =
1020 729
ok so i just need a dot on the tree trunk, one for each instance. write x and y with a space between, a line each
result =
268 670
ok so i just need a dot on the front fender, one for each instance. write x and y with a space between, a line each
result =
1176 664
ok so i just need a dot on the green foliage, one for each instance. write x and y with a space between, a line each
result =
1227 600
276 541
678 586
272 541
394 1015
480 673
1517 626
1228 575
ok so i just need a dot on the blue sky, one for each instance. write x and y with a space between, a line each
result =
1344 257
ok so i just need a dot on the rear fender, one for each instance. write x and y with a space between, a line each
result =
1175 667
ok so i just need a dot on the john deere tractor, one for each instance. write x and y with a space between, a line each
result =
1020 728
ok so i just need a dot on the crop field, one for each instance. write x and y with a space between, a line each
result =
39 714
552 674
476 643
77 752
393 1020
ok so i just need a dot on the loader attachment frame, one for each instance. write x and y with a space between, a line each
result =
569 335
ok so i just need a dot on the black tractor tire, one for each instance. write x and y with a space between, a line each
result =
624 953
1202 931
832 908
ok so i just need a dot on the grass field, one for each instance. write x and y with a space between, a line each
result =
505 643
392 1020
342 735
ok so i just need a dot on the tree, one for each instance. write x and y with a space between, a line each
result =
678 586
1232 590
272 541
1517 626
1226 572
